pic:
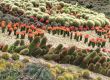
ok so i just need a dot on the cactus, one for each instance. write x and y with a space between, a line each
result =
15 56
91 67
11 49
37 52
32 46
43 42
71 35
98 50
61 78
54 57
96 59
22 42
97 67
58 49
78 60
24 51
5 56
86 74
103 71
66 59
16 43
108 73
5 48
71 50
68 76
103 59
63 53
89 57
25 60
90 23
18 49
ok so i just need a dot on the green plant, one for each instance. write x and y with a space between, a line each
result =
108 73
98 78
16 43
89 57
43 42
90 23
24 51
76 23
18 49
39 70
61 78
86 74
33 44
5 48
5 56
103 71
25 60
96 59
97 67
91 66
15 56
22 42
71 50
58 49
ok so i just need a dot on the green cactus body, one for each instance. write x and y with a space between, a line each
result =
71 50
89 56
15 56
16 43
43 41
5 56
24 51
91 66
102 60
78 60
108 73
58 49
97 67
32 46
96 59
18 49
86 40
5 48
22 42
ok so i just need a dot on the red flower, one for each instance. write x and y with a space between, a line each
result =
33 27
17 33
30 35
86 36
10 29
47 21
104 50
41 20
